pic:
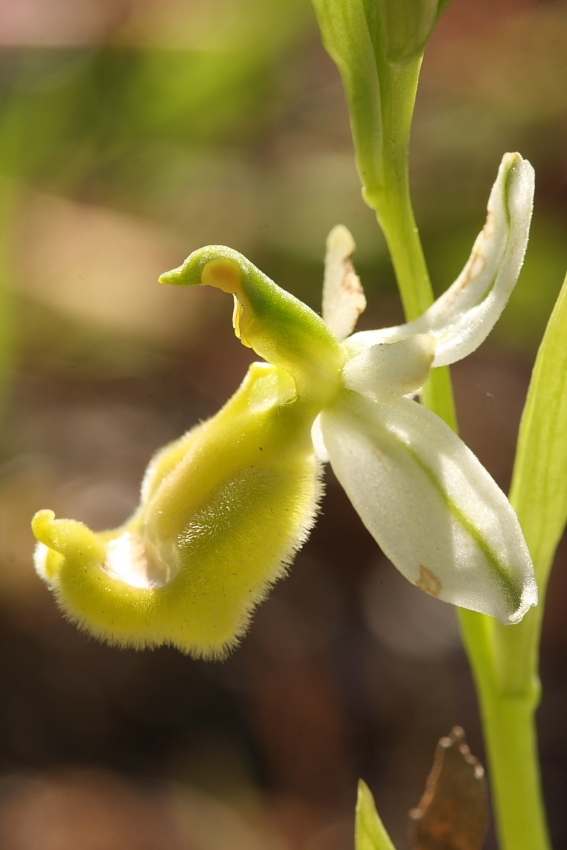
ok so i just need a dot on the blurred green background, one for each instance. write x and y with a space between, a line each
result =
131 133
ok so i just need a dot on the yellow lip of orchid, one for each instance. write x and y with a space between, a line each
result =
224 508
222 512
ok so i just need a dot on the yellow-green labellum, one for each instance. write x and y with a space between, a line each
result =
222 512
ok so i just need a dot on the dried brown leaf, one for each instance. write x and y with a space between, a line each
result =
453 812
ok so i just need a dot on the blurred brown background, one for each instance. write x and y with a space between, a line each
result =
132 132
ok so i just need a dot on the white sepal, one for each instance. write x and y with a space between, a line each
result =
343 296
464 315
431 506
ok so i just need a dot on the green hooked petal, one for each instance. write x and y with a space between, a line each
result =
279 327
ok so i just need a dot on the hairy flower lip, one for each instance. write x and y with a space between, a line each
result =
129 558
223 510
134 560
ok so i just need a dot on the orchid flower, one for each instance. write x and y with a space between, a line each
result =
224 508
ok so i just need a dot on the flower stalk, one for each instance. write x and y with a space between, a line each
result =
381 96
508 719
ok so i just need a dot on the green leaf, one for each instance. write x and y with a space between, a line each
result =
370 833
539 491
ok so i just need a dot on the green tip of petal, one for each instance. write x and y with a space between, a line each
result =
215 266
172 277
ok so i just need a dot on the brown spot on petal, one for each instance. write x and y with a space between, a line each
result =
351 283
428 581
352 289
474 267
343 296
489 228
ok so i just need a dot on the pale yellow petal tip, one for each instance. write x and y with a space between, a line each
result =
57 539
514 159
340 240
41 523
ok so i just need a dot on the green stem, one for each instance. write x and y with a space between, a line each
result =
391 201
390 198
508 715
395 215
389 194
511 741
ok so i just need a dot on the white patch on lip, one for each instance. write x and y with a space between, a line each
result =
135 562
40 554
